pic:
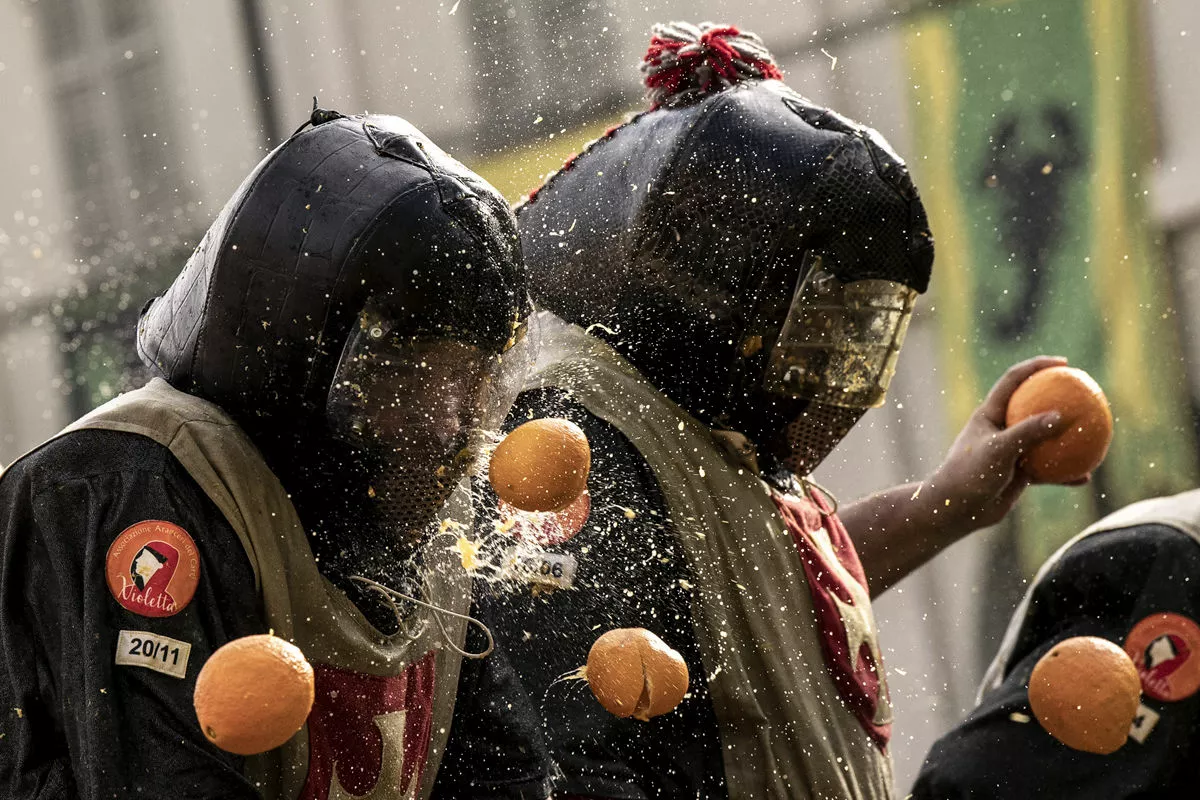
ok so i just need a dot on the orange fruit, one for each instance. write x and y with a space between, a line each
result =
1088 428
542 465
633 673
253 694
1085 692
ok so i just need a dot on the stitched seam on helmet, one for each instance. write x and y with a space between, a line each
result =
362 237
663 178
574 160
233 217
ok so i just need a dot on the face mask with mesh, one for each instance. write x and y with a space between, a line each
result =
813 434
838 349
684 238
420 408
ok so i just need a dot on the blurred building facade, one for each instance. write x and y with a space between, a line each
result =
130 122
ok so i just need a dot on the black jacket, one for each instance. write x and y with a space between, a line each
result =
1103 586
74 724
349 209
630 572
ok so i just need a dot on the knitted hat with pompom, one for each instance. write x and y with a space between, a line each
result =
685 62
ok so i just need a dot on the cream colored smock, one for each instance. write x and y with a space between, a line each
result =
300 604
785 732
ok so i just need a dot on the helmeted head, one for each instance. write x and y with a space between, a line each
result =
358 306
755 256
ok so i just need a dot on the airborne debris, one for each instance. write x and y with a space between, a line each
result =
602 327
468 553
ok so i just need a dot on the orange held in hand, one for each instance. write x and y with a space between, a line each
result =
633 673
253 694
1087 421
542 465
1086 692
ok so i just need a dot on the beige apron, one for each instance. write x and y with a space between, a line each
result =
300 604
1181 511
785 732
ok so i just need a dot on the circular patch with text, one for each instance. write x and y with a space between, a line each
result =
153 568
1165 648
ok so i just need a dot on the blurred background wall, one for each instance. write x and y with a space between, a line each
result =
1053 141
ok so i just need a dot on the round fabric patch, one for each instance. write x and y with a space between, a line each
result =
1165 648
548 528
152 568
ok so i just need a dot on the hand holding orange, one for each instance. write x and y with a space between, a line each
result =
253 694
1085 692
1087 423
542 465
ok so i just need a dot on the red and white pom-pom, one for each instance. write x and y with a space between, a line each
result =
687 61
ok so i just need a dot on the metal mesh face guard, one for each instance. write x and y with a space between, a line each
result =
811 436
420 405
840 341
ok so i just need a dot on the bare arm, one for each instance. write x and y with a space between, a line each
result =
899 529
895 531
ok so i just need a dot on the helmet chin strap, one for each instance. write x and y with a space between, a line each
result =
830 499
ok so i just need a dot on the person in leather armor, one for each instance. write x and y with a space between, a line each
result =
727 280
328 362
1132 578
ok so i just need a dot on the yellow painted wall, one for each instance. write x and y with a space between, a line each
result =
519 171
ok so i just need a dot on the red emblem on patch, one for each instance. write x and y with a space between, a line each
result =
842 604
368 735
549 528
153 568
1165 648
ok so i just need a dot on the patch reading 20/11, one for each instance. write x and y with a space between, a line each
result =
152 651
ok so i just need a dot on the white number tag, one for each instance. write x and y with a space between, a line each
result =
159 653
1143 723
553 570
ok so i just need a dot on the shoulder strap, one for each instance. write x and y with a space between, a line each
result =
171 418
752 608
